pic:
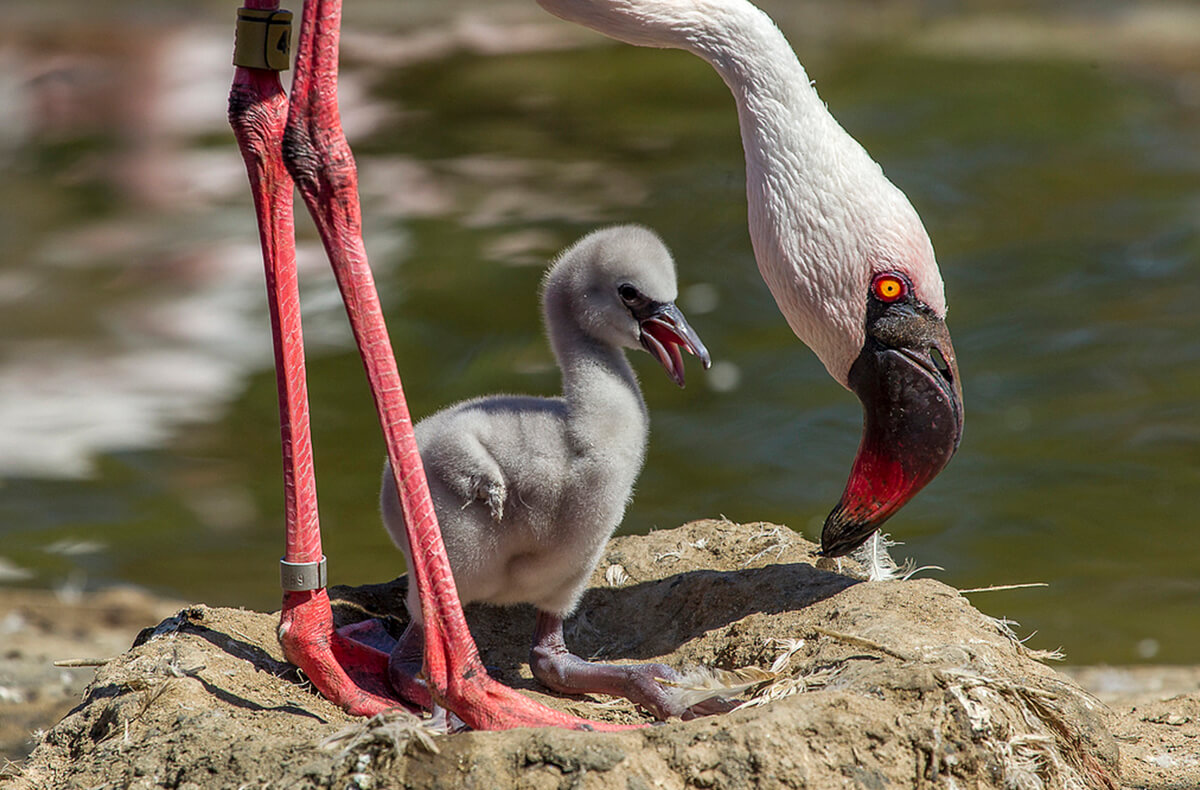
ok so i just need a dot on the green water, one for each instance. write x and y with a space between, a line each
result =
1063 200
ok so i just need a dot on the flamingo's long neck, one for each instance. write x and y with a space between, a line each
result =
604 402
820 209
801 168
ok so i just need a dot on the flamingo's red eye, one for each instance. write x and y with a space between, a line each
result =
889 287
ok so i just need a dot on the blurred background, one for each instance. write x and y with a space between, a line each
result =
1050 147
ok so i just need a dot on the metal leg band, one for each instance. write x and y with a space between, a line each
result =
263 39
301 576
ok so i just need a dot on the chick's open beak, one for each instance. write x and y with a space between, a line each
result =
664 331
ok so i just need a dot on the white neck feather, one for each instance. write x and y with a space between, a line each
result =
822 216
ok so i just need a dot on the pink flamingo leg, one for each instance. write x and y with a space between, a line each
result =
257 112
319 159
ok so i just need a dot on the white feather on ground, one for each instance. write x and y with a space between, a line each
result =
704 683
879 565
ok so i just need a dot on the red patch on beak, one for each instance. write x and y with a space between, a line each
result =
912 423
878 486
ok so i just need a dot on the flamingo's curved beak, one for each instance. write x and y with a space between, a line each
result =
907 379
664 331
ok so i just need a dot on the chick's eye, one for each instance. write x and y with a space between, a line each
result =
889 287
628 293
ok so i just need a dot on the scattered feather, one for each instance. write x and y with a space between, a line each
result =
873 556
173 668
616 575
995 587
777 543
668 555
910 569
1046 756
1023 763
880 567
790 648
1005 627
704 683
787 685
979 715
392 732
1033 762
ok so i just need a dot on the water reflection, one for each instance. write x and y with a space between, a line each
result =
138 437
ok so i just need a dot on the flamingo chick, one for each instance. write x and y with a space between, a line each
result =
528 490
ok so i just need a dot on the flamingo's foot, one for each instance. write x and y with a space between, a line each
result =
485 704
444 722
641 684
402 666
471 695
560 669
370 633
350 668
350 674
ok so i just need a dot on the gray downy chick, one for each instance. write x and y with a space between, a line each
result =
528 490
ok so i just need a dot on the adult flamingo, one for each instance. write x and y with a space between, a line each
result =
841 249
302 140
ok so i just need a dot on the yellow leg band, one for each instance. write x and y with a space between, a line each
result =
263 39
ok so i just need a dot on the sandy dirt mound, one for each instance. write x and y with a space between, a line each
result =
38 627
871 685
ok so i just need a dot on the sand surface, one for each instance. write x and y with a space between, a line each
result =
875 684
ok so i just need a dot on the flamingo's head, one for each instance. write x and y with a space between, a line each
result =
891 347
906 376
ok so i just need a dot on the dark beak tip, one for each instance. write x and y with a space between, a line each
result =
843 547
912 426
832 531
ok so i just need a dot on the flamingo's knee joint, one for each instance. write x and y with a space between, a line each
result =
300 155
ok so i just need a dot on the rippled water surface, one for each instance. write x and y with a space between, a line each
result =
137 409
